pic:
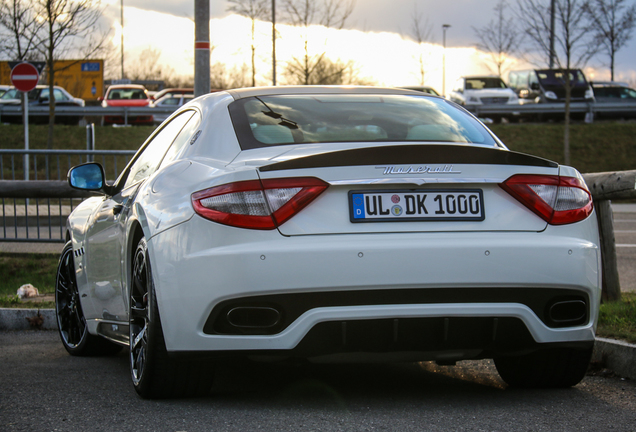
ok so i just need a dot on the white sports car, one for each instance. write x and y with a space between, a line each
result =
334 224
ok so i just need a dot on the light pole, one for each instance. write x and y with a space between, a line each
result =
273 42
122 39
444 28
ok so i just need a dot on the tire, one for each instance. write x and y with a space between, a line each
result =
71 322
552 368
154 374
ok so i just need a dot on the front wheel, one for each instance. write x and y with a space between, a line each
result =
559 367
71 322
154 374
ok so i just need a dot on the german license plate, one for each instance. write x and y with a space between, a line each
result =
416 205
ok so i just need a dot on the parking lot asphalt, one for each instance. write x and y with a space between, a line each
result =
615 355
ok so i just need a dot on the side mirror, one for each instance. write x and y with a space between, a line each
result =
535 86
88 176
100 99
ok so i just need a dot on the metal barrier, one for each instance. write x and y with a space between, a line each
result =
524 110
37 213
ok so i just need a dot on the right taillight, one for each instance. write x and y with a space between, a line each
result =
557 200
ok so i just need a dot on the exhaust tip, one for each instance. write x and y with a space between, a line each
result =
248 317
568 312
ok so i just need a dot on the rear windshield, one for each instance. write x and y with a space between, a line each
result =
484 83
125 93
309 119
557 78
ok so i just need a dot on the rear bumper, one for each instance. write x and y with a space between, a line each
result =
193 278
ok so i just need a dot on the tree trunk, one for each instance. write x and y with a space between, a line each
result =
51 64
611 283
566 132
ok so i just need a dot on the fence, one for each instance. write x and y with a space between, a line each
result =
36 211
626 109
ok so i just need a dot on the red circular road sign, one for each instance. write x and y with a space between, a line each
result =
24 77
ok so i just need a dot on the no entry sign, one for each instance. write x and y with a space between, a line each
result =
24 76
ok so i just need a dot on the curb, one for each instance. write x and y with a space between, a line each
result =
616 355
17 319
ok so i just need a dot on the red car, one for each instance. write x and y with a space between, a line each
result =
127 95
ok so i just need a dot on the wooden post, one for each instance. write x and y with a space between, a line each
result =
611 282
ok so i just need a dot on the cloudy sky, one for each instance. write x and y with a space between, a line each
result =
375 37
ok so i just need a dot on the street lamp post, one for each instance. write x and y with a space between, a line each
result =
444 28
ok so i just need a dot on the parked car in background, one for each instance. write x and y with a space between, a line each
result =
126 95
548 85
484 90
424 89
3 89
172 92
173 101
613 92
335 224
39 97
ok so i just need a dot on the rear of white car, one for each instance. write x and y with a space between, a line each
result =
332 224
393 251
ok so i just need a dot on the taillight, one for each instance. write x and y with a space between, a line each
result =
257 204
557 200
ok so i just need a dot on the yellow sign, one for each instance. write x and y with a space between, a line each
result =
81 78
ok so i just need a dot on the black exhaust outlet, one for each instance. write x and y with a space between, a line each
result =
253 317
565 313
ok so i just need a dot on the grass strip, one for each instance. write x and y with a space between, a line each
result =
617 320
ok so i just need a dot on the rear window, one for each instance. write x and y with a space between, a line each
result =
126 93
484 83
557 78
310 119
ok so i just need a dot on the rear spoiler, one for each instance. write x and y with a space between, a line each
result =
412 155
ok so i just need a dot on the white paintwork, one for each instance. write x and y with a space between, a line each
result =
197 263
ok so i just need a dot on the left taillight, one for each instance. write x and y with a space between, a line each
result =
557 200
257 204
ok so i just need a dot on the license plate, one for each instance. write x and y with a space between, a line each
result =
416 205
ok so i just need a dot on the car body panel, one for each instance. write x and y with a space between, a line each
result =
198 265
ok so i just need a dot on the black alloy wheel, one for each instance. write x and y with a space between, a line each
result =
71 321
154 374
139 316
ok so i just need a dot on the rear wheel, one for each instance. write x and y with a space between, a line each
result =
71 322
543 369
154 374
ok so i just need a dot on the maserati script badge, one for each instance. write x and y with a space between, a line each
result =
420 169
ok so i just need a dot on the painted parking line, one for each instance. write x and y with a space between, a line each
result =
626 245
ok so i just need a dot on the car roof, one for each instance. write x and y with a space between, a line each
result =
608 84
307 90
481 76
127 86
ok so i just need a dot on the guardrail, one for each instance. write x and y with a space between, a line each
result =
36 210
534 109
528 109
603 186
95 111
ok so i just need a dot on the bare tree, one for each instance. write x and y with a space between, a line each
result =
574 42
303 14
70 26
325 72
612 22
422 32
222 77
501 38
22 26
254 10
